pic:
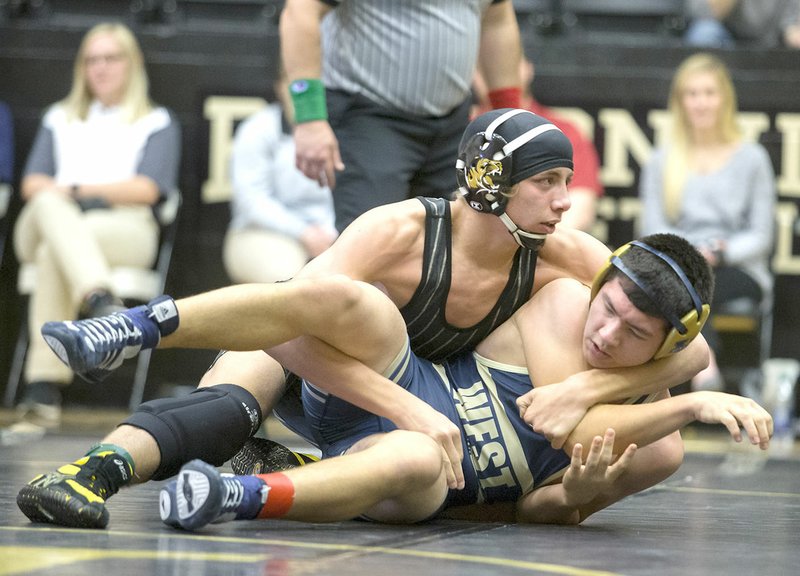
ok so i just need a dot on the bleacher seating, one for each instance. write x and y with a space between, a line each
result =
191 13
617 19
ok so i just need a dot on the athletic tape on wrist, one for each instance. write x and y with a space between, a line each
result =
308 98
510 97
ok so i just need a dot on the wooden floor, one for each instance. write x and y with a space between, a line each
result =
729 510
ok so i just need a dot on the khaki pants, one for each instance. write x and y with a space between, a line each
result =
73 252
252 255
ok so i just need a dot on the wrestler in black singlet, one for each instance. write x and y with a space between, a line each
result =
431 335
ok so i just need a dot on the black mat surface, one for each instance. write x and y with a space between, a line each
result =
735 513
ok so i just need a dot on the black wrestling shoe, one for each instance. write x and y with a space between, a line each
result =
75 494
260 456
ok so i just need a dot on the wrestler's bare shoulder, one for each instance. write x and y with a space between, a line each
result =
571 253
383 239
568 239
395 224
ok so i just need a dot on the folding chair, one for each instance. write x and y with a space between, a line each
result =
6 169
745 318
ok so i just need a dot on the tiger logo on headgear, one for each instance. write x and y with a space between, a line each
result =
480 175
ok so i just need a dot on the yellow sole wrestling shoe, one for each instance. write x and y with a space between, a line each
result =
75 494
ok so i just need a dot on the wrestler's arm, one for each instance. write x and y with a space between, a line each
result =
643 424
633 426
354 382
555 413
374 246
563 501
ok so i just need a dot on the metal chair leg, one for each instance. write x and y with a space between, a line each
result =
17 363
139 379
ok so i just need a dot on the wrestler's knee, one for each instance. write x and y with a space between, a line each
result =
655 462
418 459
355 302
255 371
670 454
211 423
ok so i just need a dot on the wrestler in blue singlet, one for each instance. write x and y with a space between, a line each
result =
504 457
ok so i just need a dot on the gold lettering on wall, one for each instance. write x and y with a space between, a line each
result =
582 120
753 125
789 179
784 261
624 146
659 121
622 138
222 112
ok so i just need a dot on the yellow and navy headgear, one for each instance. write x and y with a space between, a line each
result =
684 329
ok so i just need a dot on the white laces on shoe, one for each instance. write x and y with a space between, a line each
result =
234 493
116 336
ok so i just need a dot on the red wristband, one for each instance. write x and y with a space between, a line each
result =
510 97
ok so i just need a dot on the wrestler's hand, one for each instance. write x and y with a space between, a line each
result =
555 410
584 482
432 423
734 412
317 152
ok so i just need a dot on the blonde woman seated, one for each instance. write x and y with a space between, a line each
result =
103 157
714 188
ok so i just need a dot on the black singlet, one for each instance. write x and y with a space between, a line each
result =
431 335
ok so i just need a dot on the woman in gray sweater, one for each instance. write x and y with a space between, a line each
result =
712 187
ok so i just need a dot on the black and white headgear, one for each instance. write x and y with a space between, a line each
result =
501 148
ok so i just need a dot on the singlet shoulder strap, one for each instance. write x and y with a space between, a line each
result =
436 258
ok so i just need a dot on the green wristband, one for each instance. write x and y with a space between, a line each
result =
308 98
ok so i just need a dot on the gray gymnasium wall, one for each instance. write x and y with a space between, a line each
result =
209 68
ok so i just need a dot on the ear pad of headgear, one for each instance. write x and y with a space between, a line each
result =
484 173
683 330
692 323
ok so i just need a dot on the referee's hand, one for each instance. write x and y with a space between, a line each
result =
317 152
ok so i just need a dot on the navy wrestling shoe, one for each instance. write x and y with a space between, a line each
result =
167 504
95 347
199 496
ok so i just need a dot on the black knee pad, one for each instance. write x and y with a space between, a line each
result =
211 423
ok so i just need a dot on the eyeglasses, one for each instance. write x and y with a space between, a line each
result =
114 58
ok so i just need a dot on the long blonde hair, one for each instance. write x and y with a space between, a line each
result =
677 161
136 101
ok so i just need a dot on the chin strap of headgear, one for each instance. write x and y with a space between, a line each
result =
527 240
